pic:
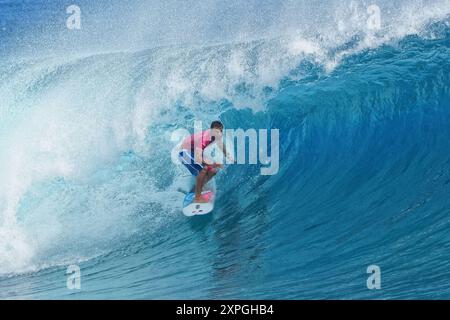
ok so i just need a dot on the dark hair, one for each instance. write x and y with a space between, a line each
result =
216 124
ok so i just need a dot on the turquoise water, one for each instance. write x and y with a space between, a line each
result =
364 120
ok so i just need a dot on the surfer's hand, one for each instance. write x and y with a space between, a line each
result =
207 162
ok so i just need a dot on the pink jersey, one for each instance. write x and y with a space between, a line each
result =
198 140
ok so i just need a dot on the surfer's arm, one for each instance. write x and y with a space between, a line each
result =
224 150
198 156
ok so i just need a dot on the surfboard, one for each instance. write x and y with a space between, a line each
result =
191 208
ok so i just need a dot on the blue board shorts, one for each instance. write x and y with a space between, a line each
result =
188 160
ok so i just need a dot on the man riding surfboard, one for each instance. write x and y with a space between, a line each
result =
191 156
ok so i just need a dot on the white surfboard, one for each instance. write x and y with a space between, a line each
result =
191 208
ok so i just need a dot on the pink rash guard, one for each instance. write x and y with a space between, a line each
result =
197 140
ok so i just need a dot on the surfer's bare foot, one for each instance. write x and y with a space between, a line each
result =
200 199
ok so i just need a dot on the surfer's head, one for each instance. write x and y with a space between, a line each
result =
217 125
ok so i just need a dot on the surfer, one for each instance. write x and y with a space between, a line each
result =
191 156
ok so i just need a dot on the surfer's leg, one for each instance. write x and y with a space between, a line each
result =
210 174
200 181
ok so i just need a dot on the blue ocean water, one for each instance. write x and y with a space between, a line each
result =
85 171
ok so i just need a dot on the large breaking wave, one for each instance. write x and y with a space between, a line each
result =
86 175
